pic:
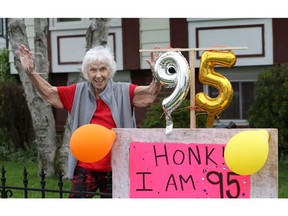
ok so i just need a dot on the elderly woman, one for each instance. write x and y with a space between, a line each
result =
99 100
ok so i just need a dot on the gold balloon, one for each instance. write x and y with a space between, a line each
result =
207 76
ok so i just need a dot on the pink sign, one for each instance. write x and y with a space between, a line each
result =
175 170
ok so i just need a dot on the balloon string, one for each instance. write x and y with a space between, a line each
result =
189 107
197 108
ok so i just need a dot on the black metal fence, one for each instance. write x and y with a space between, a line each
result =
7 191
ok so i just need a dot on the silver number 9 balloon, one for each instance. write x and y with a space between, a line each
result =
172 70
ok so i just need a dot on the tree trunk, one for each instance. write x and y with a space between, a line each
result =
41 112
97 34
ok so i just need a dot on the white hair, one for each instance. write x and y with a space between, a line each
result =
96 55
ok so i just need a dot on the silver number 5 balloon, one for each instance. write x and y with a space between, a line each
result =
172 70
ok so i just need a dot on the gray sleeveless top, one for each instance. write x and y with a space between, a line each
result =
116 96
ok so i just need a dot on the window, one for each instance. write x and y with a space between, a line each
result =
1 27
243 97
68 23
68 19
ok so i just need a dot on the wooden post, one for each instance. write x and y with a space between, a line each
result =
192 90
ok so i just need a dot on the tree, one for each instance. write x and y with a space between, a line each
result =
269 109
97 34
41 112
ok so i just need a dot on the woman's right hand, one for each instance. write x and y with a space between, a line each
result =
26 59
153 58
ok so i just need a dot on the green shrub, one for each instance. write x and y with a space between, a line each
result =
15 120
181 117
270 108
5 147
9 153
4 65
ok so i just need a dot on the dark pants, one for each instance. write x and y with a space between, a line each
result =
86 183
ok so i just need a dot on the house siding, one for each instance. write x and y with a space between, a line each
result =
266 39
153 31
130 35
280 40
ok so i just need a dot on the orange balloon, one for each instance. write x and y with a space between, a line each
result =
91 142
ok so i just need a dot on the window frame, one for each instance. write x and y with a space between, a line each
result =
241 120
2 23
81 24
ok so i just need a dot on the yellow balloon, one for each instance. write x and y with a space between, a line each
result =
246 152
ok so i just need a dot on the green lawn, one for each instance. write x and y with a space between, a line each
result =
14 177
283 179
